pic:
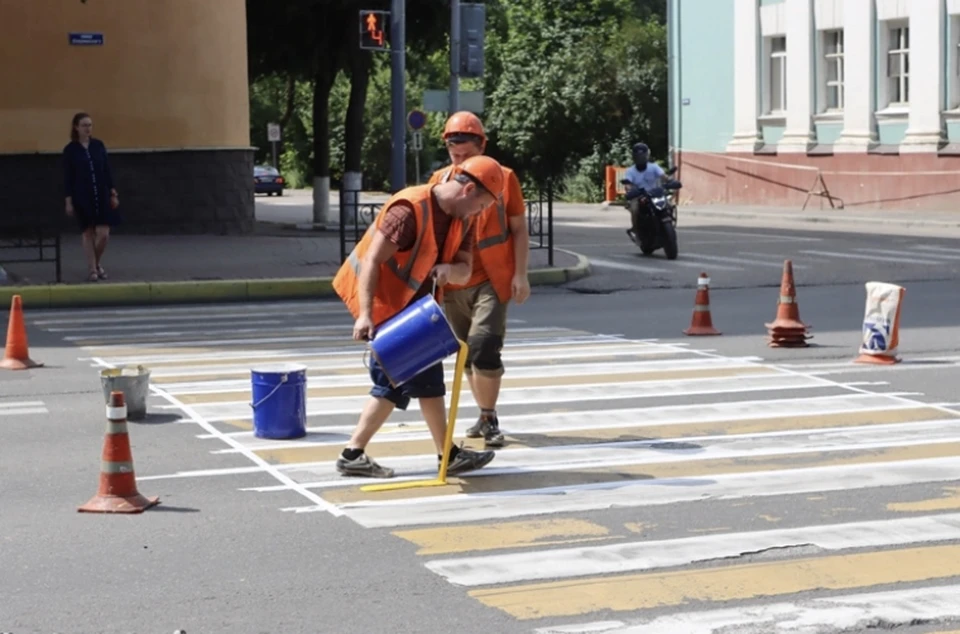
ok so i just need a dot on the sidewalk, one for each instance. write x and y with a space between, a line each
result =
276 262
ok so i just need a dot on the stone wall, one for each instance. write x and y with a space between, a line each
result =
173 192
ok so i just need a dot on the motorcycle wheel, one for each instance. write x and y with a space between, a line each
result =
670 247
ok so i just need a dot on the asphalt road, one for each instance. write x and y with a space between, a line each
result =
651 482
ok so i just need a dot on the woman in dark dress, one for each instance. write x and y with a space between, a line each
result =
91 197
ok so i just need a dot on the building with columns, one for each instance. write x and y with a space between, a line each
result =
771 99
166 85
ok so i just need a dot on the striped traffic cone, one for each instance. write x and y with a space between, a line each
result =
118 483
702 323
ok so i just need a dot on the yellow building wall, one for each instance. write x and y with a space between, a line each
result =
170 74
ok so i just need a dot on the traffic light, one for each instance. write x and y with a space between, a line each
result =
473 18
374 27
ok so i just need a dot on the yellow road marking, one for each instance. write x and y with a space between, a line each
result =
729 583
538 381
949 501
666 470
770 518
397 448
458 539
638 527
360 370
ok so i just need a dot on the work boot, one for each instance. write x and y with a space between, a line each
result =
488 428
468 460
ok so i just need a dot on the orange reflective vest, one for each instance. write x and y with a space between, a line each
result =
494 249
405 272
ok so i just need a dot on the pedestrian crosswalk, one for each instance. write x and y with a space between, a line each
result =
645 486
21 407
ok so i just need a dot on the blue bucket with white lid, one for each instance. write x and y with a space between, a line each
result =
279 404
413 340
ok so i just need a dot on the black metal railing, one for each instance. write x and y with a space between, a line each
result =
356 216
31 244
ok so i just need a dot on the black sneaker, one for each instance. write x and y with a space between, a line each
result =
362 466
488 428
469 460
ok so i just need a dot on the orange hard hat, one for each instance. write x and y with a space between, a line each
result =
463 123
484 171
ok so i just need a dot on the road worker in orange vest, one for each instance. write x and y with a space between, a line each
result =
477 309
422 235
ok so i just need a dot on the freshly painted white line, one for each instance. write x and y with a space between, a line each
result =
620 558
878 258
140 337
20 404
666 451
744 261
643 493
341 362
221 311
520 372
928 247
523 424
254 340
754 237
836 613
240 409
347 348
22 411
205 473
623 266
909 254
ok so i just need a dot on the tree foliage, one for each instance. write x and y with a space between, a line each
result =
569 86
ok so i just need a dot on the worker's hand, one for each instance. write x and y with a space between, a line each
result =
441 273
520 288
363 328
69 208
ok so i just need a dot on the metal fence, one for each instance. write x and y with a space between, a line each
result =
356 216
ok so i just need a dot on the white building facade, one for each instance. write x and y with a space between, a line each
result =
818 81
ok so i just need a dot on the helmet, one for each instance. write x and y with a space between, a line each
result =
641 153
463 123
484 171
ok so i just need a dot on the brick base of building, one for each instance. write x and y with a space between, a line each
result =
875 181
171 192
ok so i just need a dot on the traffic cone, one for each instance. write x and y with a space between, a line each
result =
787 331
701 323
17 355
118 483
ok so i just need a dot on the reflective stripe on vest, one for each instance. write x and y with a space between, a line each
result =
504 234
392 263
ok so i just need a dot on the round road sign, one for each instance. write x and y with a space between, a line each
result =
417 119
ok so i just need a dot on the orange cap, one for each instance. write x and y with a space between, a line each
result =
485 171
464 123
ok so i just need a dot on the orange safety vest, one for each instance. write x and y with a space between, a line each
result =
405 272
494 241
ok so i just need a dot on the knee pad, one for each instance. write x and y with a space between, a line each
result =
485 351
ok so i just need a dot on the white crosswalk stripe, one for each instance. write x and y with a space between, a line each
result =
599 430
22 408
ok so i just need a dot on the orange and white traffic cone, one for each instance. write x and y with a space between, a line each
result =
787 331
16 356
118 483
701 324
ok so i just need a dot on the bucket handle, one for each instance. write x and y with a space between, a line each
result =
283 379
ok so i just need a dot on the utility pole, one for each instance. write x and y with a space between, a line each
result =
398 95
454 56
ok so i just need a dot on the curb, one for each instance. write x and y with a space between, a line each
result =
221 291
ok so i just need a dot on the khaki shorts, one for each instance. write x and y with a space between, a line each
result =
474 312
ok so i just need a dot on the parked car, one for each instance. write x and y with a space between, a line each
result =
267 180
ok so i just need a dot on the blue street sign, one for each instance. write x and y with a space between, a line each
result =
86 39
417 119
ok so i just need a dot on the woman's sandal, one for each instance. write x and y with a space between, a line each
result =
93 277
101 273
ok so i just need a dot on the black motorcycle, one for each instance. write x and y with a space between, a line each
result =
654 218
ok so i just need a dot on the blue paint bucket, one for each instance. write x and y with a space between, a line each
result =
279 401
412 341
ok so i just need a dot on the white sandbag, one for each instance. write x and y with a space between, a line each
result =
881 319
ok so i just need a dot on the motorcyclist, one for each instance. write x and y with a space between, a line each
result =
640 177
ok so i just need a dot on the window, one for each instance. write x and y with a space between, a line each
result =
778 74
833 60
898 66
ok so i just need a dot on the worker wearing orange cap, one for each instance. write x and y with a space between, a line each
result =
477 309
422 234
